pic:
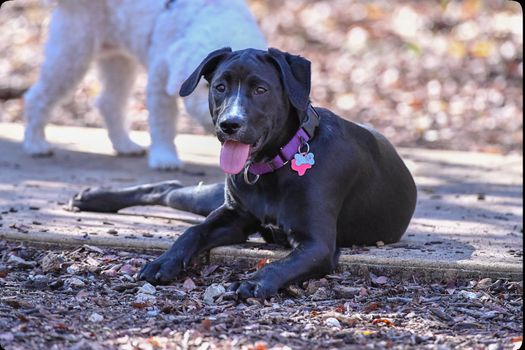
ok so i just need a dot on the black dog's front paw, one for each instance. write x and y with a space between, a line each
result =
253 288
162 270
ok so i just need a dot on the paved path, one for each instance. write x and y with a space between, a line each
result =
468 220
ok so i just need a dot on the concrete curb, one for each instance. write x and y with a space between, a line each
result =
390 266
352 263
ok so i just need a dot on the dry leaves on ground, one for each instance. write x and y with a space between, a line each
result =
439 74
66 299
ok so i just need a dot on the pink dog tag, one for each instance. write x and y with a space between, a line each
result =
302 162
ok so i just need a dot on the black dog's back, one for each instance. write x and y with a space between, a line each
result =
380 191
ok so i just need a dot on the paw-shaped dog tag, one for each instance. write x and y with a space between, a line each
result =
302 162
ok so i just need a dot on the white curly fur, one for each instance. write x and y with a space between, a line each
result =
120 35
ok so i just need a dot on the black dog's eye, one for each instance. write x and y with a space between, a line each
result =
259 90
220 88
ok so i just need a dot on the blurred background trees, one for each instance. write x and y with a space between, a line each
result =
438 74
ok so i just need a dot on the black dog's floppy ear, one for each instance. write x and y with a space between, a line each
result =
296 75
207 66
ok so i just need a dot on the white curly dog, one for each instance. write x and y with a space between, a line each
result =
168 38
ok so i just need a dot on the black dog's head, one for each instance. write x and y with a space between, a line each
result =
256 100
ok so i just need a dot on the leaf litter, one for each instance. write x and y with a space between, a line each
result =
46 304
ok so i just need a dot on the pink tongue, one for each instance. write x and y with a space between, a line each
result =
233 156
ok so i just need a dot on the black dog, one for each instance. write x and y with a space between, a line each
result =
298 175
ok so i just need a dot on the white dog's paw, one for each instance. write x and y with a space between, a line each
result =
37 147
126 147
164 159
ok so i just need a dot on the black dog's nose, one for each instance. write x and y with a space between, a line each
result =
231 125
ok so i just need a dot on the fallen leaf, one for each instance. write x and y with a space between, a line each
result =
260 346
22 318
348 321
261 263
482 49
155 342
92 262
128 269
456 49
139 305
470 8
112 272
346 292
189 285
12 302
253 301
109 258
375 12
485 283
60 326
295 291
372 306
384 321
206 324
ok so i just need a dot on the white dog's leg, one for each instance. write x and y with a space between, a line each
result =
162 115
69 50
117 73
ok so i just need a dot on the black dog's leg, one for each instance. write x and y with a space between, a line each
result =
308 260
222 227
200 200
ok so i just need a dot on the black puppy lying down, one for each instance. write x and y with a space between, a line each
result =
299 175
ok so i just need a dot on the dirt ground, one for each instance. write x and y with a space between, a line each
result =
89 298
